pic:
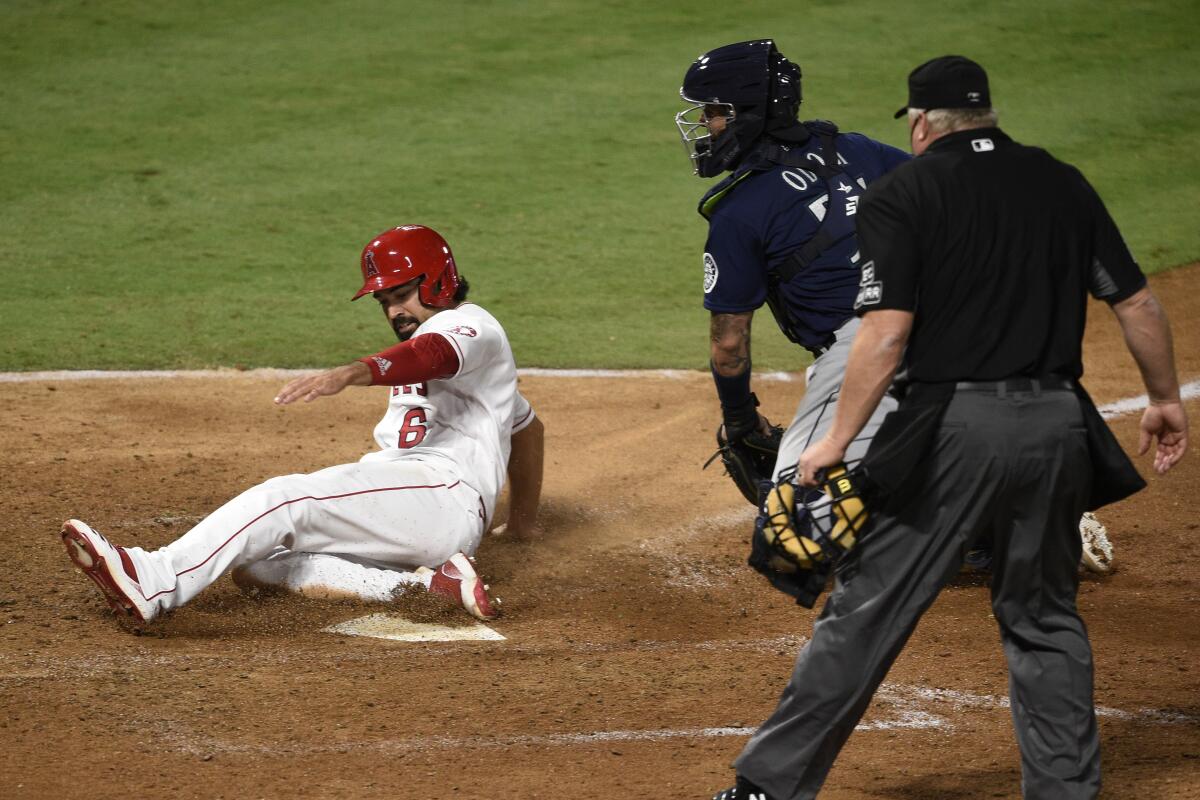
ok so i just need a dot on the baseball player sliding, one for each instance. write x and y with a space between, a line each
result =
408 514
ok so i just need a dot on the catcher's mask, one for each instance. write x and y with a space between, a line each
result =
753 86
407 253
804 527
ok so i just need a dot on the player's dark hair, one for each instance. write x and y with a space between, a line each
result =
463 287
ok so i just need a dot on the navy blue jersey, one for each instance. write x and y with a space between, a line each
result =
770 213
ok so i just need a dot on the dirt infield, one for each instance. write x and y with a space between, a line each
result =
640 651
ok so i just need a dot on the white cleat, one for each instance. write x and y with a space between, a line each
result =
1097 553
109 567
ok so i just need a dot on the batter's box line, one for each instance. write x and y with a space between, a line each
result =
1131 405
900 694
900 712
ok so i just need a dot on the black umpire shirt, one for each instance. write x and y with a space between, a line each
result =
997 245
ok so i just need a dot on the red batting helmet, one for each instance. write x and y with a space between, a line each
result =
408 253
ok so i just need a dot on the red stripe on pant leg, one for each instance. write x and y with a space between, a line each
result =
521 421
288 503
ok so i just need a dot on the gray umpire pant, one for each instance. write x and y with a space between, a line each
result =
1015 466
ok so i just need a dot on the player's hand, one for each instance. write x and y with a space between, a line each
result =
1166 422
325 383
824 453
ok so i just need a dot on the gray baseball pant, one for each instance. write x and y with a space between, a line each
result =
815 414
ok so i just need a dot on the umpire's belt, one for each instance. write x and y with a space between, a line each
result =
1048 383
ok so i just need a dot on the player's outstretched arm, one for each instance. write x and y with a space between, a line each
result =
1148 337
325 383
525 477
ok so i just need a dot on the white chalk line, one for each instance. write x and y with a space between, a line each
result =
278 373
1117 408
898 706
1132 405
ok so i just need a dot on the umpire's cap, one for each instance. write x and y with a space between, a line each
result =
947 82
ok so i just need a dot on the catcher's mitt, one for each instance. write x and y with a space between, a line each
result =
800 533
749 460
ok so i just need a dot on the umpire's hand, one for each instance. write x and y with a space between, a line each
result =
1166 422
821 455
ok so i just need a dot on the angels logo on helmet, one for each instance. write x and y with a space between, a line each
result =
407 253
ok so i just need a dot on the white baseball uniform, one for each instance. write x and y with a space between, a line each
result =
423 496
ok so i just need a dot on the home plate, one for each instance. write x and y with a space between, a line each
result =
397 628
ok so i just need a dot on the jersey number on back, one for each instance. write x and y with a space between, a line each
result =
413 431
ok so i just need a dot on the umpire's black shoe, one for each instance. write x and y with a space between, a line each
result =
978 560
742 790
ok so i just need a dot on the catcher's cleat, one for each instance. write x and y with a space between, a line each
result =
456 580
109 567
1097 552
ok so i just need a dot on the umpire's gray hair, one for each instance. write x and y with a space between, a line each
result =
947 120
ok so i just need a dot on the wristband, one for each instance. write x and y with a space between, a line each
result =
739 406
733 392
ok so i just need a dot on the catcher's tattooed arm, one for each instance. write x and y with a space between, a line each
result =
729 353
729 338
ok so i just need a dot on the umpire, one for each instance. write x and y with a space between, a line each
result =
979 255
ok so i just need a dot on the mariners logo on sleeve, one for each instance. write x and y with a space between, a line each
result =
710 272
870 291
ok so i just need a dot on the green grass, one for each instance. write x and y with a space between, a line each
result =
188 185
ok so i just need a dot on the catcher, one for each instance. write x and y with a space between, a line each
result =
781 231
